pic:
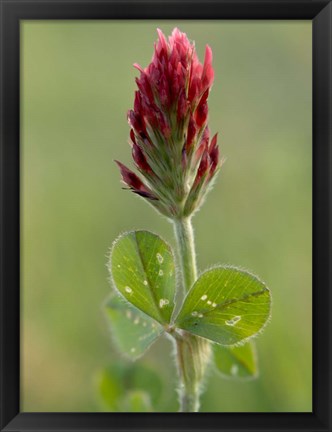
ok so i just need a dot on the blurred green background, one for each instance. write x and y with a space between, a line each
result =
77 85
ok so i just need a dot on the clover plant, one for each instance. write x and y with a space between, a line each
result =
209 317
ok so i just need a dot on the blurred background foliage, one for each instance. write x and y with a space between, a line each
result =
77 85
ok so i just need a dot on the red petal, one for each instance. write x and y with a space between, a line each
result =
203 144
129 177
140 159
202 169
137 66
191 133
208 72
132 136
194 88
135 122
182 106
208 56
213 154
144 86
134 182
162 40
201 113
213 142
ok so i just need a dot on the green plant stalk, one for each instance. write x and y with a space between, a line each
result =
184 235
192 352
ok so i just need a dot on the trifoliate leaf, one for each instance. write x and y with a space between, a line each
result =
226 305
143 271
132 330
236 361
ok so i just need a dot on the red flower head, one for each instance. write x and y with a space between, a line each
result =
170 138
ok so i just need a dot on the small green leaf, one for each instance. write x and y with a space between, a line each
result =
143 271
109 387
142 377
132 330
119 383
137 401
237 361
226 305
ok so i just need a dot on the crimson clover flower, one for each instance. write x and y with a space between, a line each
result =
171 146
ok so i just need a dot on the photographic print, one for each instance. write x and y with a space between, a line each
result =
166 216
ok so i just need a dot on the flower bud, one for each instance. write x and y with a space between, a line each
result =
134 182
169 133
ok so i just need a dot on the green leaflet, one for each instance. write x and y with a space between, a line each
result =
124 387
236 361
132 330
143 271
225 305
137 401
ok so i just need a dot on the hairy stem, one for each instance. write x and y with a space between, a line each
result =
192 352
184 235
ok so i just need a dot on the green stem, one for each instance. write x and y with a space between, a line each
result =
192 352
184 235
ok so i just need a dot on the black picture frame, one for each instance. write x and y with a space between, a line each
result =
12 11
